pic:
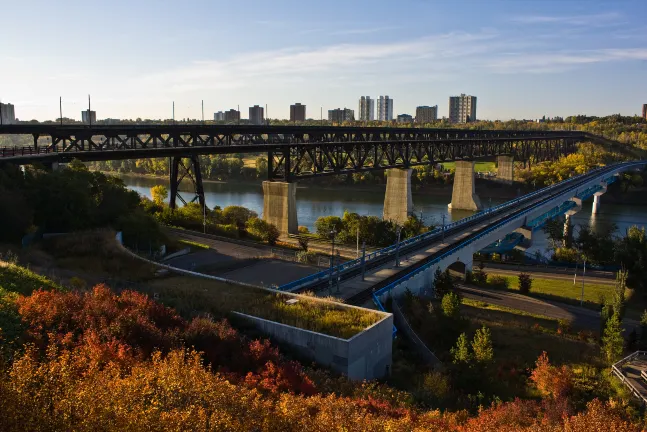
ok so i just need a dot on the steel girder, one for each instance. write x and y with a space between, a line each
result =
182 168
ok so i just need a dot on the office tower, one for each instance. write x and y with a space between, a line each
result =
462 109
88 117
404 118
426 114
7 114
366 108
232 115
219 116
297 112
340 115
256 115
384 108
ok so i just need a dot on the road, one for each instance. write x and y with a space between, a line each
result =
580 317
556 273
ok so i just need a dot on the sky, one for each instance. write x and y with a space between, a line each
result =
521 58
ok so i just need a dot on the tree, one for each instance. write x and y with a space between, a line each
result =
159 194
482 345
480 276
554 229
303 238
262 229
619 293
551 381
325 224
443 283
613 341
16 215
451 303
238 215
461 352
525 283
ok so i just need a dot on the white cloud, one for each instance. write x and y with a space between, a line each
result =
368 30
603 19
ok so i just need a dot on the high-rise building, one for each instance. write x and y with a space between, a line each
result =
256 115
404 118
426 114
7 113
232 115
366 108
384 108
88 117
339 115
462 109
645 111
297 112
219 116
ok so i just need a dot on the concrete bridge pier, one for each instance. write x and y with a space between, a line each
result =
505 168
596 198
464 195
398 203
280 206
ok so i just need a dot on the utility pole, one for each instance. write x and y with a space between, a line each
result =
332 259
238 114
321 114
173 112
398 229
89 111
60 109
202 111
204 213
357 252
0 112
583 274
443 229
363 259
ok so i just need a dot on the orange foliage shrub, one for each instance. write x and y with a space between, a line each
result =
550 380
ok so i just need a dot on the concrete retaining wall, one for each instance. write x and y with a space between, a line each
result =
367 355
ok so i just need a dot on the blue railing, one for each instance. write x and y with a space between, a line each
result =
467 242
389 250
539 221
379 305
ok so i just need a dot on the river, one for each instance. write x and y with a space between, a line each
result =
313 202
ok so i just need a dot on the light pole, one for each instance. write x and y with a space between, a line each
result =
204 213
333 233
398 229
583 273
443 228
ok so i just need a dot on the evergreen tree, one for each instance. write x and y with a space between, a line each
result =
482 345
619 293
461 352
612 341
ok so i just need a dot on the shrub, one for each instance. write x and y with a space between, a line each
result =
482 345
159 194
238 215
303 237
451 305
525 283
564 326
550 380
461 352
325 224
500 282
264 230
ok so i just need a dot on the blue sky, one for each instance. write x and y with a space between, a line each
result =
522 59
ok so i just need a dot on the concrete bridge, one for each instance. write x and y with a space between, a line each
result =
411 264
299 152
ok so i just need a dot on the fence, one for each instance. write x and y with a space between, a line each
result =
617 371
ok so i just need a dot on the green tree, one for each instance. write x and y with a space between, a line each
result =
525 283
325 224
263 230
159 194
303 238
443 283
461 352
261 167
482 345
612 340
619 292
238 215
451 303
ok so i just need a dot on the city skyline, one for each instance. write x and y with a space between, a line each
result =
523 60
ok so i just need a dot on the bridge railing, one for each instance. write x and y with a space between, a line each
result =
466 243
390 250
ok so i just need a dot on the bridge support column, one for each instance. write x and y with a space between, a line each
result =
505 170
398 204
596 199
280 206
181 169
464 195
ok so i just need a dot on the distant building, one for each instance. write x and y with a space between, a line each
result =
256 115
384 108
405 118
7 113
645 111
111 121
339 115
462 109
232 115
366 108
426 114
297 112
88 117
219 116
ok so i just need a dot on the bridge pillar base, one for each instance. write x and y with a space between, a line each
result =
505 170
398 203
464 195
527 236
280 206
596 198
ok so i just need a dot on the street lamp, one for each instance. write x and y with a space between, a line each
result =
443 229
333 233
398 229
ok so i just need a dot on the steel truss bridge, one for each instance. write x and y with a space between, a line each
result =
293 152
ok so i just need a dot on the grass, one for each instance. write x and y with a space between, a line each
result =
478 166
492 307
193 244
194 296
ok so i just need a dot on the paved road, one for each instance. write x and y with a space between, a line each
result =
598 277
580 317
226 248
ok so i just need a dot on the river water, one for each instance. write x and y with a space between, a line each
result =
313 202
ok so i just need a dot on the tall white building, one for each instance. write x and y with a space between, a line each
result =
219 116
384 108
366 108
462 109
7 113
88 117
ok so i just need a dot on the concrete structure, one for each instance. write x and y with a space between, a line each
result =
219 116
366 108
232 115
426 114
405 118
297 112
384 108
256 115
398 203
645 111
280 206
340 115
505 168
88 117
7 114
365 356
464 194
462 109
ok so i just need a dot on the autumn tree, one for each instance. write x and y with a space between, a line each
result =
551 381
159 194
451 303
